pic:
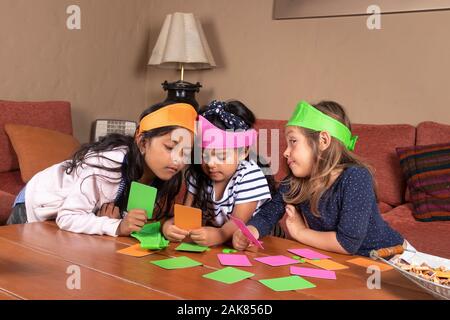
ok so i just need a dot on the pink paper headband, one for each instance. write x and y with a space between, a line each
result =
215 138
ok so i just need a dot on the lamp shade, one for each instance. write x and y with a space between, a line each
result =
182 41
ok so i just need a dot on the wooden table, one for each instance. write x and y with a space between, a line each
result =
34 259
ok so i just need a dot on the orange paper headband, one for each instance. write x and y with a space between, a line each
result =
177 114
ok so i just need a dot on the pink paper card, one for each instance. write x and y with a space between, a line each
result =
308 254
237 260
241 225
313 273
276 261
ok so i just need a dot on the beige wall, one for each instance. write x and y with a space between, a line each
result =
395 75
100 69
398 74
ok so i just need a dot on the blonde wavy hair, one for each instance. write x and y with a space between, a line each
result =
325 163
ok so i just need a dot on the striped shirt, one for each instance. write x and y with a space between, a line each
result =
248 184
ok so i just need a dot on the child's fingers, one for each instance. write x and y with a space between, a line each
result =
178 236
241 245
240 242
197 237
102 211
252 248
110 210
288 208
177 230
290 211
136 222
116 213
138 214
243 239
175 237
201 243
134 228
196 232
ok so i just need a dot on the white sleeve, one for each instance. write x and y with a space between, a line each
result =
77 211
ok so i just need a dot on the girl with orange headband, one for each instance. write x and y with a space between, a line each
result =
89 193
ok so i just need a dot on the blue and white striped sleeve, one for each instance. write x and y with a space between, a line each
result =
252 186
191 185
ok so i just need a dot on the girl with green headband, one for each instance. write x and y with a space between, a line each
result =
329 196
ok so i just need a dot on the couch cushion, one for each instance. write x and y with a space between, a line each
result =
6 201
429 237
427 173
429 132
39 148
278 162
54 115
376 144
11 182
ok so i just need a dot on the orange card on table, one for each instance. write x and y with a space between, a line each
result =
187 218
135 251
327 264
368 262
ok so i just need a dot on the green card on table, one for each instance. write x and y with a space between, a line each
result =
229 275
192 247
287 283
142 197
150 237
176 263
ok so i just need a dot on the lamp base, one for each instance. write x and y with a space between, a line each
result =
182 91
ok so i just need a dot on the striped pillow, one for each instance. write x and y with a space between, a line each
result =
427 173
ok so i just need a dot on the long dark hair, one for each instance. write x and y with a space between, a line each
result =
133 166
195 170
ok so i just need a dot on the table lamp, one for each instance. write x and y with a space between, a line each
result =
182 45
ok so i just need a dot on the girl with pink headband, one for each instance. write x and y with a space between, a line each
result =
226 183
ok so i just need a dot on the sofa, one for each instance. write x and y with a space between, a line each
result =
53 115
377 145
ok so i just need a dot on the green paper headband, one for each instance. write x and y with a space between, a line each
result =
307 116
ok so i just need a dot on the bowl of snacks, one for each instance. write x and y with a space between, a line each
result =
431 273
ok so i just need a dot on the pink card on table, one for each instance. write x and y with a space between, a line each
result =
241 225
276 261
308 254
237 260
313 273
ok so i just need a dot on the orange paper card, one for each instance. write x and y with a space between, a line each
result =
327 264
368 262
135 251
187 218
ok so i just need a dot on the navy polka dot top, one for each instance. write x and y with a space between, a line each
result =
348 207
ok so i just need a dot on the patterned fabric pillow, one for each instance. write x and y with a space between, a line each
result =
427 173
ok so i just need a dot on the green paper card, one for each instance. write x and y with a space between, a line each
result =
176 263
150 237
226 250
191 247
287 283
142 197
229 275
